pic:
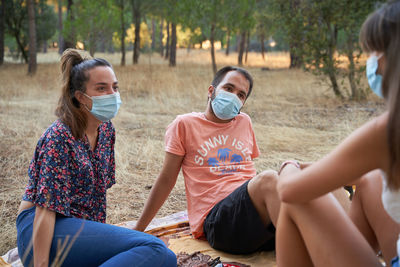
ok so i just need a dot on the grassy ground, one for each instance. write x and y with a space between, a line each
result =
294 116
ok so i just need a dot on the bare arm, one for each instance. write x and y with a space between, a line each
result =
304 165
161 189
43 230
364 150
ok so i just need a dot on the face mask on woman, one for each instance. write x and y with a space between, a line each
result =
105 107
374 79
226 105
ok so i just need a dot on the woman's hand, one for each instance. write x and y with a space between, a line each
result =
287 163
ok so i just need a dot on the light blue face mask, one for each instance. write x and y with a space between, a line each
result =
226 105
105 107
374 79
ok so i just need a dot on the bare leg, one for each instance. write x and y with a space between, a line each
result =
320 232
290 247
263 194
368 214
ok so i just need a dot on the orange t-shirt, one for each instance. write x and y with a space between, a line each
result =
218 158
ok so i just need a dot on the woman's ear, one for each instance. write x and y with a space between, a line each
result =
79 96
83 99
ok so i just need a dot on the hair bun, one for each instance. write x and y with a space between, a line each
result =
70 58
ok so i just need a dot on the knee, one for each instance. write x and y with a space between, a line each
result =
170 258
163 252
266 181
370 180
156 244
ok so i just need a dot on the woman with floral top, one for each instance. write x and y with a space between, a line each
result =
63 212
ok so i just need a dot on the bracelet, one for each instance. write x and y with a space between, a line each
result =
293 162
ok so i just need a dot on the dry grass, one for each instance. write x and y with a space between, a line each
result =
293 116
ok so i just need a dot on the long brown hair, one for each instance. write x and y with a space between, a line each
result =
381 33
75 65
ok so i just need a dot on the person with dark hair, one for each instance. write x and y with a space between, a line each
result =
228 203
312 228
61 219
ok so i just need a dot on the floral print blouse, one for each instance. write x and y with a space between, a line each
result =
65 176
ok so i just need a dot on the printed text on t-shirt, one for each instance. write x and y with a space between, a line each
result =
223 154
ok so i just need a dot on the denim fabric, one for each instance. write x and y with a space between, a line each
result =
395 262
95 244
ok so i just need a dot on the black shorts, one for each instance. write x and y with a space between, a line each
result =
234 225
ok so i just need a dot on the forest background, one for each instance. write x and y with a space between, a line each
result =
310 86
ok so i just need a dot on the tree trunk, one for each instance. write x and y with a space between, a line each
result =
237 43
356 94
60 29
45 47
136 19
21 48
228 42
247 46
32 65
167 44
172 56
262 38
330 62
100 43
2 29
92 44
295 60
153 35
335 86
241 48
123 32
161 37
214 65
69 41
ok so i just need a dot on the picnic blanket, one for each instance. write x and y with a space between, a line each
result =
174 231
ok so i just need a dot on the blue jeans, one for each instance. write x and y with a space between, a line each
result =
96 244
395 262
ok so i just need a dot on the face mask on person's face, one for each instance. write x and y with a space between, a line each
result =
374 79
226 105
105 107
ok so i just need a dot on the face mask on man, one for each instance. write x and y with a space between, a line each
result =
226 105
374 79
105 107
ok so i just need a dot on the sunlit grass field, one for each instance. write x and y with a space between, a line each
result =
294 114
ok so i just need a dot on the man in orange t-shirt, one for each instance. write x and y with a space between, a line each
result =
228 203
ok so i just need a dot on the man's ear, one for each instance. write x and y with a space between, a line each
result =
210 91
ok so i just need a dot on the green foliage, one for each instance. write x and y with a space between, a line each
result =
16 17
46 22
322 33
17 25
321 36
121 6
224 15
94 23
